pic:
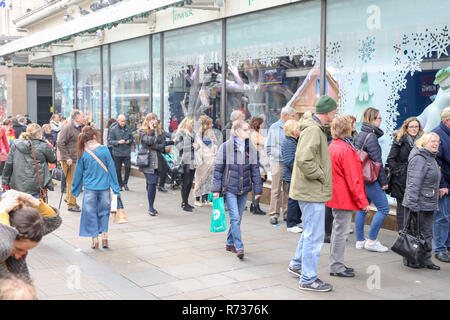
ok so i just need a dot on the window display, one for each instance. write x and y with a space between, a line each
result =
64 69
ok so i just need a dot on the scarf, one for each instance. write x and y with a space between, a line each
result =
349 140
91 145
411 141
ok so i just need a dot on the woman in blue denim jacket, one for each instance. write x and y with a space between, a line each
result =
98 178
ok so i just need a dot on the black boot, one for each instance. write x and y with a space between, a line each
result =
252 208
258 210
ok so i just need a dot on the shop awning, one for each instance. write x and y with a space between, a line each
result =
105 18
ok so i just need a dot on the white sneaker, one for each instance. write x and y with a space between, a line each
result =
360 244
295 229
375 246
198 203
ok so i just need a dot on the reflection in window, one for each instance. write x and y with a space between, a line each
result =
192 66
268 61
156 56
130 80
105 86
64 84
3 97
89 85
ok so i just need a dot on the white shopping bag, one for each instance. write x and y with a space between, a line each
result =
113 203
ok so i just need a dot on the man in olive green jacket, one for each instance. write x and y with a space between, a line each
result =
311 187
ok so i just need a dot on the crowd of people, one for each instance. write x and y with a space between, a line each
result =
314 163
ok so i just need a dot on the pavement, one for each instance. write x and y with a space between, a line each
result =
174 256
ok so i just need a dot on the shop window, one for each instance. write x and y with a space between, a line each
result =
3 97
386 54
272 59
64 70
156 76
130 80
192 73
89 85
105 86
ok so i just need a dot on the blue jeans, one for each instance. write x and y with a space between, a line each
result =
236 205
152 181
95 210
293 216
376 195
441 228
308 249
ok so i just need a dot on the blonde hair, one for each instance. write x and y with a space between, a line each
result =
290 127
205 122
46 126
370 114
237 128
404 128
146 124
33 130
445 114
425 138
341 127
184 123
15 288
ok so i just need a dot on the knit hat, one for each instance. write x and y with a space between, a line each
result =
325 104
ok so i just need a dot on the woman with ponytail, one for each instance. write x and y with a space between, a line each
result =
20 169
95 168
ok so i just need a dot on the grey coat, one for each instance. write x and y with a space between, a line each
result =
422 182
8 235
117 133
151 144
185 145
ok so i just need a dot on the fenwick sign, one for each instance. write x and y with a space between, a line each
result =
181 15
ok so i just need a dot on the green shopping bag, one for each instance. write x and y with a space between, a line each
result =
218 217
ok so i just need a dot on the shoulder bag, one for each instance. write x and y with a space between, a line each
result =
371 169
42 191
409 244
119 215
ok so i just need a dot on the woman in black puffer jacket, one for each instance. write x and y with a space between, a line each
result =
422 190
370 133
397 162
237 169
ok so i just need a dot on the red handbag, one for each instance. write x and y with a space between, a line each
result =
371 169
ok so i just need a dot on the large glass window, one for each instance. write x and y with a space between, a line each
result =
64 70
130 80
270 57
156 83
89 84
192 73
386 54
105 86
3 97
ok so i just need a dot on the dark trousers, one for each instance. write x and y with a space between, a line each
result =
152 181
118 163
328 221
401 215
294 214
2 166
163 173
188 178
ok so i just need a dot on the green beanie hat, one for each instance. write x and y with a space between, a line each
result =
325 104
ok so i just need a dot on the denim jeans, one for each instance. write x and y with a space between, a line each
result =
441 228
308 249
236 205
294 213
376 195
152 181
95 210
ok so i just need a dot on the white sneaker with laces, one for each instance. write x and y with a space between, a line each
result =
360 244
295 229
375 246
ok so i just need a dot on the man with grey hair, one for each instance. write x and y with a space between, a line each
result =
279 192
235 116
67 145
120 138
441 228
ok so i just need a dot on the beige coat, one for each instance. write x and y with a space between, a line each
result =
259 140
204 160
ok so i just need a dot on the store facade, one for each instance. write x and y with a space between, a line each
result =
384 54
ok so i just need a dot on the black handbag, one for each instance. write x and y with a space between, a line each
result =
57 173
143 159
410 243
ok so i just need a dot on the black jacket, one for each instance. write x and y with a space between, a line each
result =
288 149
117 133
18 129
397 162
372 147
151 144
422 183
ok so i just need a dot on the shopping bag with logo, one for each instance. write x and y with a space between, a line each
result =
120 216
218 217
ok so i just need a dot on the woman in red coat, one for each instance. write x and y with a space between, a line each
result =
348 191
